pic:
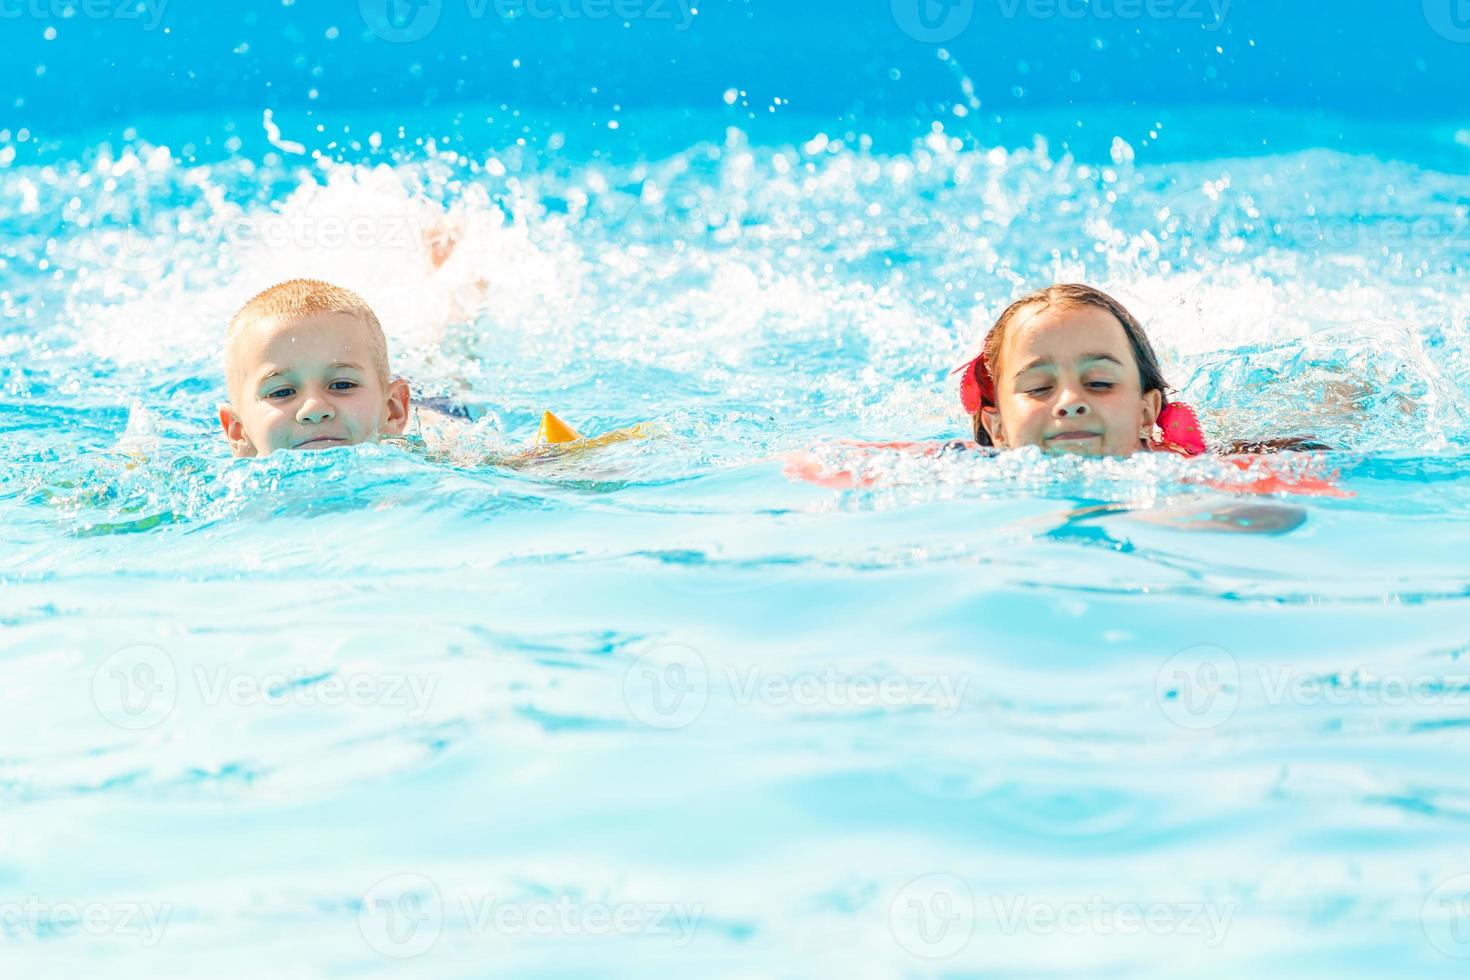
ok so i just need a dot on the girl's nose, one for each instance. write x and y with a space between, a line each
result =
1071 405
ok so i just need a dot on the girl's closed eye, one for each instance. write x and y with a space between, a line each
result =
1095 385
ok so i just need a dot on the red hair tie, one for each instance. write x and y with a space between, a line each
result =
1181 429
976 387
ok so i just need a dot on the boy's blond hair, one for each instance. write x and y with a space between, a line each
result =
297 299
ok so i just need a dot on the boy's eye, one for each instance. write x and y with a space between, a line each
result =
343 385
281 393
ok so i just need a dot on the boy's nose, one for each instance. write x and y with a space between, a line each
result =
314 410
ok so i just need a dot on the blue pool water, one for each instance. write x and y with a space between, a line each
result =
660 708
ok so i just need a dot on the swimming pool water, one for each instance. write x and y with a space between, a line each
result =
661 708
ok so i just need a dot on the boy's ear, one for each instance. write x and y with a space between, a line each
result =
990 419
397 418
240 443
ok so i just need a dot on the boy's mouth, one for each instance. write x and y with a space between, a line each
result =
320 442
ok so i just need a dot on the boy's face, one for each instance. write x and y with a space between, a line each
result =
308 384
1069 384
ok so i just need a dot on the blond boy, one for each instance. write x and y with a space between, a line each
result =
306 364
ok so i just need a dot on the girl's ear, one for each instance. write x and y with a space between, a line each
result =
994 427
240 443
1153 404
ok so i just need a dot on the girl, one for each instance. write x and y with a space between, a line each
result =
1069 369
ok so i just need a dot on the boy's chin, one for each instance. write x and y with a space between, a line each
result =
325 442
332 442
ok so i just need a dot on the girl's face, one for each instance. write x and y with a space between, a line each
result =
1068 382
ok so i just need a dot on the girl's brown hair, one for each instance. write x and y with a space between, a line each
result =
1063 296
